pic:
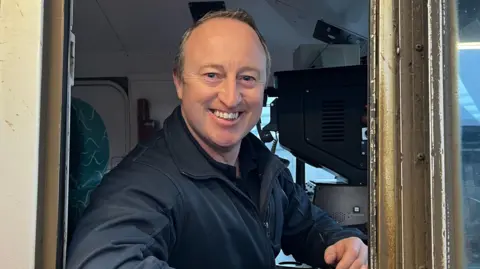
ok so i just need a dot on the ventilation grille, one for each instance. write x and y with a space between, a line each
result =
333 121
339 217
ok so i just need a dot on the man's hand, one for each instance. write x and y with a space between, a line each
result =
349 253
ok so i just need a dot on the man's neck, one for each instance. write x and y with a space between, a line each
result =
227 156
222 155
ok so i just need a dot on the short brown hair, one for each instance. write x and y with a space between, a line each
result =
239 15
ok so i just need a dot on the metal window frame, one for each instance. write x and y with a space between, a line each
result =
415 183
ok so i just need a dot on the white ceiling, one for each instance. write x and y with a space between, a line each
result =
150 25
154 27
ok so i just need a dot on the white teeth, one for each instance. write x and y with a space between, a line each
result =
225 115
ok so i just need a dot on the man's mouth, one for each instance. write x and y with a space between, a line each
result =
226 115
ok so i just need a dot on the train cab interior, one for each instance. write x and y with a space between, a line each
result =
123 87
314 112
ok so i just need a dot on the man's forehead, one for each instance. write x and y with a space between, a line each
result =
223 39
223 25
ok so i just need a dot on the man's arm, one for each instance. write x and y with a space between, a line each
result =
308 230
128 223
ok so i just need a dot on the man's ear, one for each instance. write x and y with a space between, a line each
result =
178 85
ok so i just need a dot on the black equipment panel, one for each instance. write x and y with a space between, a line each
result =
319 116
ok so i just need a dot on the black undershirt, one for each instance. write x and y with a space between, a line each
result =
249 180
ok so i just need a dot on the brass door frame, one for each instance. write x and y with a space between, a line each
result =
57 77
415 182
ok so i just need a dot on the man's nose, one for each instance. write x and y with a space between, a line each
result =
230 94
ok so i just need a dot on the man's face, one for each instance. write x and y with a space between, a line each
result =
224 80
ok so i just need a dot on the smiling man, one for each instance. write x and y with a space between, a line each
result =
205 193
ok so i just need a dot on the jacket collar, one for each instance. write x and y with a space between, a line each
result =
192 161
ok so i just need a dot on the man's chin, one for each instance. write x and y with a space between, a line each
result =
227 145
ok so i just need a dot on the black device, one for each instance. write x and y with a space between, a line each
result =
319 118
331 34
199 9
351 203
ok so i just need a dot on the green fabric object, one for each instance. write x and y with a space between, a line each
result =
89 157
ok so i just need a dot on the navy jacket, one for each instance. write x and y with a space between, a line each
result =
165 206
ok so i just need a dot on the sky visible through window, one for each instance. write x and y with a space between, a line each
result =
469 100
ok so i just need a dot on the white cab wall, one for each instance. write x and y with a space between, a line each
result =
113 105
119 110
159 91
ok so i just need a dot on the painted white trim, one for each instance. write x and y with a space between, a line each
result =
20 115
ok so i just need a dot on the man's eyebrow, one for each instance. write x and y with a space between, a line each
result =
214 66
250 68
221 68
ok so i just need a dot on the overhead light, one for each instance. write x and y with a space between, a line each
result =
469 46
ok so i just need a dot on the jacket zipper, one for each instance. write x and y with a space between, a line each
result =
263 222
269 193
266 224
266 213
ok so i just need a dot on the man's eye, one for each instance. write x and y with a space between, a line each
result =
211 75
248 78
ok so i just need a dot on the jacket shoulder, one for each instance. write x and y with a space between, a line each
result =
153 153
148 170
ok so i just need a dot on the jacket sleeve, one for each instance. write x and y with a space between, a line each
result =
308 230
127 225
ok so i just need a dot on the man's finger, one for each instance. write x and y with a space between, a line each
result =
348 259
331 255
357 264
364 254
